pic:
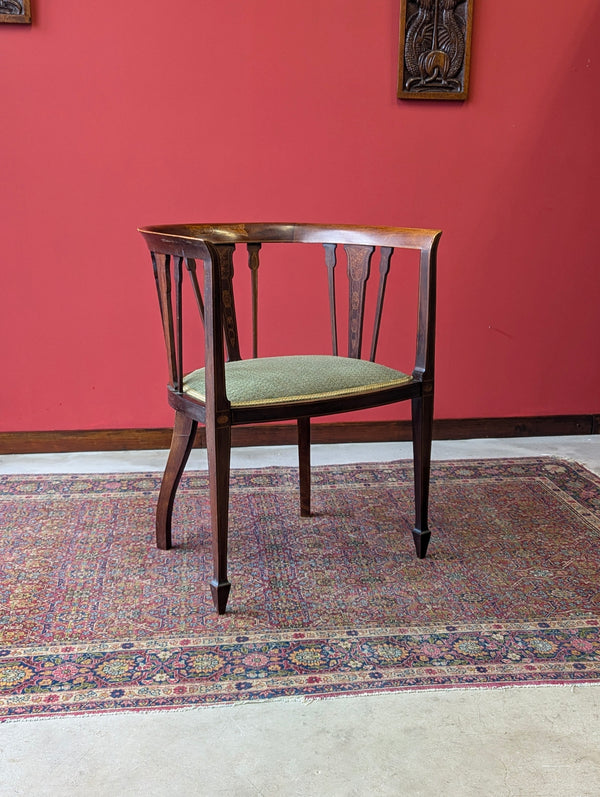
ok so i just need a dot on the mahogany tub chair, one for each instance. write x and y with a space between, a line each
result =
229 390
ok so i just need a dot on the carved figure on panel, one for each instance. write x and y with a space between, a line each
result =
11 7
435 45
15 11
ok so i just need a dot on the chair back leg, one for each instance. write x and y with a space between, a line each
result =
184 432
304 463
422 422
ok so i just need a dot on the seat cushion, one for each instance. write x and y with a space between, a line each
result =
284 380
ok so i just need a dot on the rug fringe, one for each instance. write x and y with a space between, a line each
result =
299 699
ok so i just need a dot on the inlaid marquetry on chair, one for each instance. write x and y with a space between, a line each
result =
229 391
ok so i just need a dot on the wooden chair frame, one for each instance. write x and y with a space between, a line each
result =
176 249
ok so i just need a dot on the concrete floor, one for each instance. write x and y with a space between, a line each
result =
516 741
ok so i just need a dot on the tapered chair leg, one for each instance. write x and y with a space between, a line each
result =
184 432
304 463
218 444
422 422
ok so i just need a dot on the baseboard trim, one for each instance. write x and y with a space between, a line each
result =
285 434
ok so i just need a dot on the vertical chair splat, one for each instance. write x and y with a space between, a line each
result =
330 262
225 259
359 264
253 264
191 267
384 267
162 275
178 263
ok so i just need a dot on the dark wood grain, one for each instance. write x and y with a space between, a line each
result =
253 265
359 267
197 291
184 432
162 276
384 268
331 262
304 465
225 260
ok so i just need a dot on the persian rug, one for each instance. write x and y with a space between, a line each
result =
95 618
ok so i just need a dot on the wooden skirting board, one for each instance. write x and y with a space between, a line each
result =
285 434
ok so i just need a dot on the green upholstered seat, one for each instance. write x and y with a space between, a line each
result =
275 380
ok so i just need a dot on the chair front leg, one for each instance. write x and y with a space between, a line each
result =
218 444
304 465
184 432
422 423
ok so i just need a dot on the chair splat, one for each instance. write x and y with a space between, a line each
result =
191 267
172 322
330 262
225 259
359 265
253 264
162 275
384 267
179 320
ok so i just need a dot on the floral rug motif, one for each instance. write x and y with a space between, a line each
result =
96 619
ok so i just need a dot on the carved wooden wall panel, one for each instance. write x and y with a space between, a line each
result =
435 49
15 11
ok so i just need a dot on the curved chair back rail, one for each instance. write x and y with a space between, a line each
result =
173 236
228 390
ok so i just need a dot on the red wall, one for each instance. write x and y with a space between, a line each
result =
255 110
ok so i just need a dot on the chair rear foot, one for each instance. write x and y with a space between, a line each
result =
421 539
220 594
